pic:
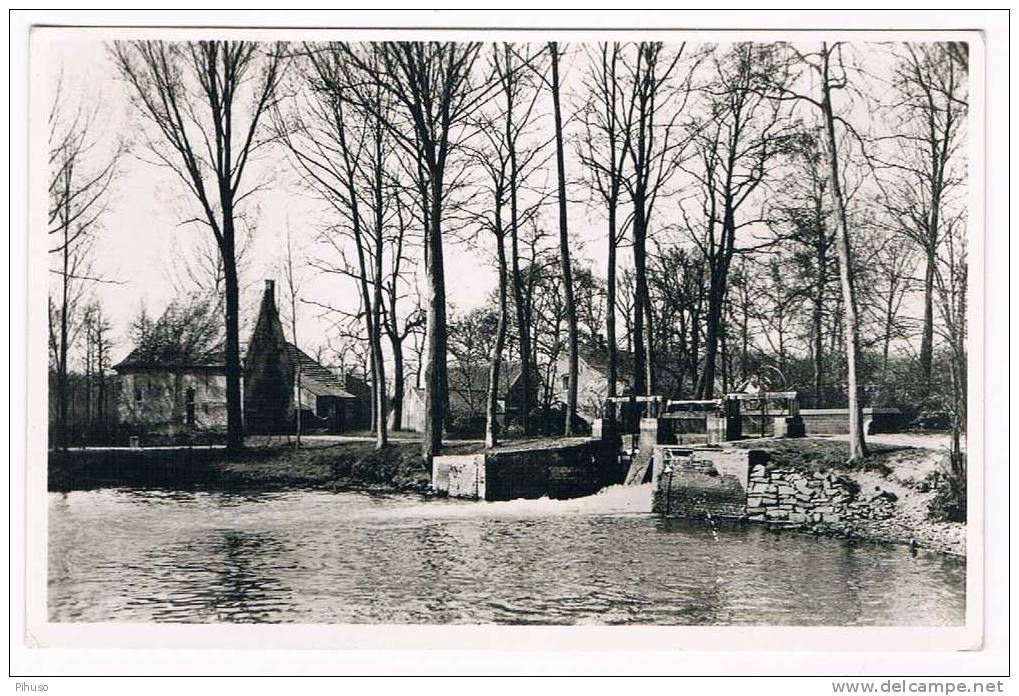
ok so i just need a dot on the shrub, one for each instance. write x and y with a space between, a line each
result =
949 501
379 466
466 424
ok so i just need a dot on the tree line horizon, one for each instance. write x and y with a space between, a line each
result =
765 207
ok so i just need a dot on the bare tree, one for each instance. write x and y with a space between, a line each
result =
893 263
742 133
436 89
82 167
676 283
343 152
828 67
603 152
929 118
518 95
98 346
564 244
506 161
290 275
206 101
399 325
951 282
494 160
803 214
188 331
654 152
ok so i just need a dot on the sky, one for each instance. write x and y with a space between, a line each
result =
142 238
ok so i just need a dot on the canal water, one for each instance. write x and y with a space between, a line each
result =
315 556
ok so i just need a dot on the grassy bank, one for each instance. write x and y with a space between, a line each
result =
910 477
265 467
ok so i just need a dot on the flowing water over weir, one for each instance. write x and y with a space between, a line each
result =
317 556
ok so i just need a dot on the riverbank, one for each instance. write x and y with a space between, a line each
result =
264 465
892 489
269 463
899 482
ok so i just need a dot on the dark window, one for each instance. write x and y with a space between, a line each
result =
138 394
189 405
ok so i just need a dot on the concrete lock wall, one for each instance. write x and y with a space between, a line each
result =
459 476
835 421
566 471
701 482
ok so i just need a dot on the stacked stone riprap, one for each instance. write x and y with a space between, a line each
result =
821 500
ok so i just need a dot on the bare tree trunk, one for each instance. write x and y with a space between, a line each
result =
889 324
713 321
63 436
817 334
378 165
637 330
234 418
519 301
435 333
101 389
396 403
234 414
857 443
817 316
564 247
927 335
491 421
610 306
292 287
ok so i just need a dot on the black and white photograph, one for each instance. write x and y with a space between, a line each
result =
477 327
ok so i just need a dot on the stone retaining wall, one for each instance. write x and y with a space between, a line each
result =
744 484
801 498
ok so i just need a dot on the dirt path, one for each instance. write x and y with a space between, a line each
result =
935 441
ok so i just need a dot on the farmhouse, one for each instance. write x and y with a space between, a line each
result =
279 376
172 398
592 381
468 397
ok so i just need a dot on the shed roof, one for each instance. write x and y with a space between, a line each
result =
215 359
315 377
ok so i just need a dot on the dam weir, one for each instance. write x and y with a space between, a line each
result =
678 447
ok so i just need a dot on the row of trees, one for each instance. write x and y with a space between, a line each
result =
757 213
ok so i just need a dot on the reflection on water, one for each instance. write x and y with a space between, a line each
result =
312 556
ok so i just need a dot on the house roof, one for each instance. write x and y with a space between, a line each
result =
475 377
315 377
215 359
598 358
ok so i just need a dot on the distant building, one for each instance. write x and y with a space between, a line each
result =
278 375
593 379
468 397
167 399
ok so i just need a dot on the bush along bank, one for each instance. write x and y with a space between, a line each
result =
358 465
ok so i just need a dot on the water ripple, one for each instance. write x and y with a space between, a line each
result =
316 556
